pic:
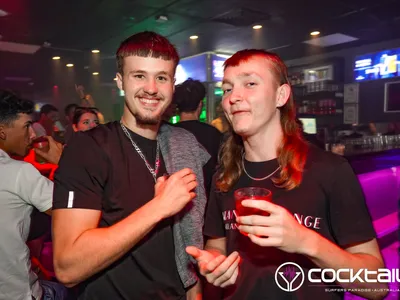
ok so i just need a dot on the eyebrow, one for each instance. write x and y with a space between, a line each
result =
144 72
241 75
28 123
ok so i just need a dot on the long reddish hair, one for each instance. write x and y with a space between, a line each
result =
292 153
146 44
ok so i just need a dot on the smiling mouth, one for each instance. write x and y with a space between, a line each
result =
149 103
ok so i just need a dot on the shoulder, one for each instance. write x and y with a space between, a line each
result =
99 136
26 173
178 131
200 127
91 145
103 132
210 129
13 165
324 163
323 158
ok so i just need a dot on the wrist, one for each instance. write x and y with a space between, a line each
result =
310 243
156 209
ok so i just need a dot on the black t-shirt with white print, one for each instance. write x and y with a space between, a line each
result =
329 200
111 177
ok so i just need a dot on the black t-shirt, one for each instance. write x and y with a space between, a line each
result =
329 200
105 173
210 138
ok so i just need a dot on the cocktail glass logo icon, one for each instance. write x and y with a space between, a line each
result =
289 277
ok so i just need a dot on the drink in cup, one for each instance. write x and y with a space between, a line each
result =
43 144
251 193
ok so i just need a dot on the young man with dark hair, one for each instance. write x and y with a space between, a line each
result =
189 97
120 225
22 188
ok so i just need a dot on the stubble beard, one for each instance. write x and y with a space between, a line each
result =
143 120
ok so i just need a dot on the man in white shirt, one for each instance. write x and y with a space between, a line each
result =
22 188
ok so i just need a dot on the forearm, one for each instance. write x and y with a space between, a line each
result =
97 248
195 292
328 255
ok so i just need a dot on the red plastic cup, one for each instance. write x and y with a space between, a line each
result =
43 144
251 193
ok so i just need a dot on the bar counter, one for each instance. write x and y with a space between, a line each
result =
379 176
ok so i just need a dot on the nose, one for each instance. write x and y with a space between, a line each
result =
92 125
150 87
236 95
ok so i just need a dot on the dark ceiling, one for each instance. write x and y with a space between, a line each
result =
71 28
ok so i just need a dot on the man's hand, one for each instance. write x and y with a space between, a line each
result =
280 229
219 270
175 192
54 153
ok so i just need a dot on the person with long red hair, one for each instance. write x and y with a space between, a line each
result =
317 217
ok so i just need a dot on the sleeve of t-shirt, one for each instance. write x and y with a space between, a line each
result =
213 224
350 219
82 173
34 188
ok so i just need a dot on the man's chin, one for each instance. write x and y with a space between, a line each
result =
154 120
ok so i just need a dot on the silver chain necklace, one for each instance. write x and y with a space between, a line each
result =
136 147
254 178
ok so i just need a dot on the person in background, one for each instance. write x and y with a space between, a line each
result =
69 112
170 112
47 119
316 198
84 119
189 97
129 194
311 138
220 122
88 101
392 129
22 189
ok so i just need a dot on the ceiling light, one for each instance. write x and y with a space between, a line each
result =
95 73
194 37
69 65
95 51
56 57
314 33
257 26
3 13
162 18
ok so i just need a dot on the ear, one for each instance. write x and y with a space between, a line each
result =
200 106
283 95
74 127
119 82
3 134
